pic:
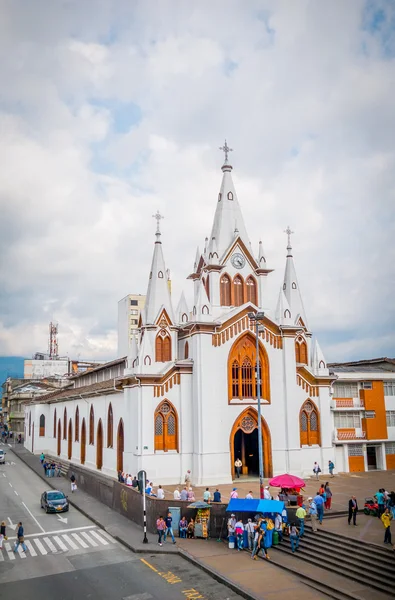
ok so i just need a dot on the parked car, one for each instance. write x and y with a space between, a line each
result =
54 501
2 457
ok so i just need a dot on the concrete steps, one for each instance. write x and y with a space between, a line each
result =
366 564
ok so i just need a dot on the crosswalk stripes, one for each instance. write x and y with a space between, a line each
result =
51 544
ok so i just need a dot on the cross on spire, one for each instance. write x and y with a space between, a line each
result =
289 233
158 218
225 149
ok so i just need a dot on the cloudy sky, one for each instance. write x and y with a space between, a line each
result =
112 109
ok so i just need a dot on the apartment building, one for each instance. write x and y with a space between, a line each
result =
363 410
129 309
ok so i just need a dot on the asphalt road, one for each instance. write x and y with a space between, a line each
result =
69 557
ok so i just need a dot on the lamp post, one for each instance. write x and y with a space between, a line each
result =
257 317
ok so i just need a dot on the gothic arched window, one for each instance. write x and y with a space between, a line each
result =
238 291
186 350
251 290
110 427
207 286
91 426
77 425
65 424
162 347
54 424
301 351
42 425
309 424
241 369
225 291
166 427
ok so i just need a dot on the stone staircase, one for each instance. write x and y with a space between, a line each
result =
369 565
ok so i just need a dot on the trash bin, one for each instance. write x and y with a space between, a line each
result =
232 541
269 538
276 538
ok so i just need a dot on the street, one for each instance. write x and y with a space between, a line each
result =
69 557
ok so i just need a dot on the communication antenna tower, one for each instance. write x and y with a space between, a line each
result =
53 341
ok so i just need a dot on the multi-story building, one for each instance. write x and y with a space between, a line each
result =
363 408
129 310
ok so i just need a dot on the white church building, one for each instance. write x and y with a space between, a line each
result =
185 397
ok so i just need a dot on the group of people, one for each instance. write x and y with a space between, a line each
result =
386 511
317 469
51 469
20 536
164 528
322 500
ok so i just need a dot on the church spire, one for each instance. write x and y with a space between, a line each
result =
158 293
228 216
291 286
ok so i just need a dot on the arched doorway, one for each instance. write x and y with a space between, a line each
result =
244 444
83 442
120 446
99 445
70 441
59 437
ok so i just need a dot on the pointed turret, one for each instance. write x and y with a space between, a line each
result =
213 256
291 286
133 355
228 216
182 310
202 309
261 257
197 260
283 312
158 293
318 361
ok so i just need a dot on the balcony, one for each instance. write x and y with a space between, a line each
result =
348 434
347 403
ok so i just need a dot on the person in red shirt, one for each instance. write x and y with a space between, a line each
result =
160 528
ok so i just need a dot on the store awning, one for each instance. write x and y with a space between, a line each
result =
255 506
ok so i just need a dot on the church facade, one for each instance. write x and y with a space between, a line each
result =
185 397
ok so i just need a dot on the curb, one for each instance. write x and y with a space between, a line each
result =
178 551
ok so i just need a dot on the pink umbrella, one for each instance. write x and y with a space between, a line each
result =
287 481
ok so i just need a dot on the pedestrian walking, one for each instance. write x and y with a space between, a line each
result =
386 519
238 466
261 541
316 470
160 527
391 503
319 502
328 492
293 536
313 513
301 515
278 526
250 529
3 534
231 525
380 501
73 483
331 467
59 470
239 531
169 527
42 457
187 479
20 538
352 510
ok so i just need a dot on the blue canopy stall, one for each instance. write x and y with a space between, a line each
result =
266 507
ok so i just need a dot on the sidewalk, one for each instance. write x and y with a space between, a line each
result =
250 579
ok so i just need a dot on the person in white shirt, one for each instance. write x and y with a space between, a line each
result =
129 480
207 495
250 529
249 496
266 493
160 493
278 526
176 494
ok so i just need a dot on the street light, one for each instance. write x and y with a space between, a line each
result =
257 317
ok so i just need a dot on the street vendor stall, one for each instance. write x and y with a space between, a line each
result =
202 519
290 485
252 508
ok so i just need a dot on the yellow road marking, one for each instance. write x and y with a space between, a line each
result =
148 564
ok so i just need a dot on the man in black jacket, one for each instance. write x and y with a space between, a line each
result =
352 510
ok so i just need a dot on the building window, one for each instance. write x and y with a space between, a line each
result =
355 450
207 286
370 414
301 351
225 287
42 426
160 274
110 427
309 424
54 424
241 369
390 416
134 303
230 196
186 350
162 347
91 426
293 285
367 385
166 427
390 448
347 420
389 388
134 321
345 390
65 424
77 425
134 312
238 295
251 290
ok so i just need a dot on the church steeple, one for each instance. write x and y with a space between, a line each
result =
291 286
228 216
158 293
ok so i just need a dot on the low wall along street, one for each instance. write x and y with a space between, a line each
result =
129 502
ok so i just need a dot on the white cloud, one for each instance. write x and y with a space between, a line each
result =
302 91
